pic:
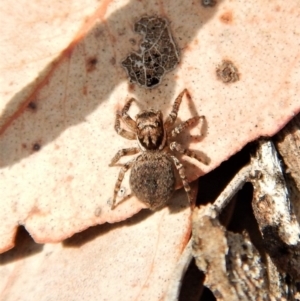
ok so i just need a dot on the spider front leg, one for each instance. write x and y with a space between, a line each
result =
126 118
190 122
185 183
128 121
179 148
122 172
124 152
173 115
124 133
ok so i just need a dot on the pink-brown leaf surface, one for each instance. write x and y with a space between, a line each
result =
62 84
131 260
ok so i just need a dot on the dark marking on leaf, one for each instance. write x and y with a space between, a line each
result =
226 18
227 72
157 56
91 64
32 106
36 147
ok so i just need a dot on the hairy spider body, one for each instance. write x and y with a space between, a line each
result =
157 183
152 177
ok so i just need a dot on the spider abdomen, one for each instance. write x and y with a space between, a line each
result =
152 178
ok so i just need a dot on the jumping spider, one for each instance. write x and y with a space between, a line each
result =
152 177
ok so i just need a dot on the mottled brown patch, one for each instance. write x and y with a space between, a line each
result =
84 90
227 72
227 17
113 60
91 64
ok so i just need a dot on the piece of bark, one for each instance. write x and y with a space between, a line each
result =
234 268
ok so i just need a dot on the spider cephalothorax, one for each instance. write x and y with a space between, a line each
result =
152 177
150 130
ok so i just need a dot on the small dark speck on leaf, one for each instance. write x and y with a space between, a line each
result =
32 106
91 64
36 147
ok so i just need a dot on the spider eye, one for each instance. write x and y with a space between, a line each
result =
157 123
